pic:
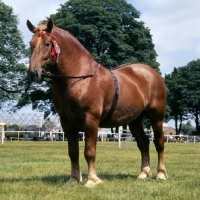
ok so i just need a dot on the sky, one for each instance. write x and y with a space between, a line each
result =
174 26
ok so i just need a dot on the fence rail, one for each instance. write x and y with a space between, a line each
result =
124 139
30 135
128 140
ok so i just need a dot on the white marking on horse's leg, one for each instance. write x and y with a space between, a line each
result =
162 174
93 182
145 173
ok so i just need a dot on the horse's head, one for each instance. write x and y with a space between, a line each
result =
44 50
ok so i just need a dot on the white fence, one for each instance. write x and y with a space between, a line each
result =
124 139
30 135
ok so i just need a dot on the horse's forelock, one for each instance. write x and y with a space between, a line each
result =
42 27
38 41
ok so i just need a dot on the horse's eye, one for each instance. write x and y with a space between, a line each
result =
47 44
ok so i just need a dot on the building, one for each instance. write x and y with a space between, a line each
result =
168 130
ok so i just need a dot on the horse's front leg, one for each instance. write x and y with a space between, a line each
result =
73 151
91 131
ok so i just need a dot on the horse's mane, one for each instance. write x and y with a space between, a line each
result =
69 38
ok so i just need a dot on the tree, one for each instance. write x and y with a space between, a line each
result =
176 87
49 125
187 128
12 53
192 94
184 93
109 30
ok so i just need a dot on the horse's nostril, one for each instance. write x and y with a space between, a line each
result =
33 75
36 73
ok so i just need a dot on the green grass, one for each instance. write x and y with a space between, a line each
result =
39 170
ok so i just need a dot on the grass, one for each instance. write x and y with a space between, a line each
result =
38 170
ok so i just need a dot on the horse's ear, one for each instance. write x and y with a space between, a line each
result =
30 26
49 26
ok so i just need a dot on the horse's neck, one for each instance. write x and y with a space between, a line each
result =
73 55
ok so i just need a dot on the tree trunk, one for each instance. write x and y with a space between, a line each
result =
181 120
176 124
197 119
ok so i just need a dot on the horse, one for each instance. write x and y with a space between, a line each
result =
86 96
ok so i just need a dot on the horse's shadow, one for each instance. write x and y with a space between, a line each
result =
54 179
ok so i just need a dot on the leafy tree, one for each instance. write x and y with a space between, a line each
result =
12 53
176 87
187 128
184 93
110 30
192 94
49 125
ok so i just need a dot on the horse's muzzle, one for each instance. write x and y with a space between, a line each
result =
33 75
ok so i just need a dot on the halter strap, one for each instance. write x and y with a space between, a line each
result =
114 101
55 50
50 75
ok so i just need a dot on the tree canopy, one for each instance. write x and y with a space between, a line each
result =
187 128
12 53
109 30
184 93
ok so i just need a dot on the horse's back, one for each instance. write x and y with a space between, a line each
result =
146 80
143 75
138 70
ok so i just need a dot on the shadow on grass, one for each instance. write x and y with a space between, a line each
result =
53 179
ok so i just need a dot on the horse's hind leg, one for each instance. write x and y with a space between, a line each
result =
91 131
156 118
159 140
137 131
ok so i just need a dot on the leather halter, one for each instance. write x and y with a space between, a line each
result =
50 75
55 50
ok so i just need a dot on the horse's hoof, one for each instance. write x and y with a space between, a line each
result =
146 173
72 180
142 175
161 176
92 183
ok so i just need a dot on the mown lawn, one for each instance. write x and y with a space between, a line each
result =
39 170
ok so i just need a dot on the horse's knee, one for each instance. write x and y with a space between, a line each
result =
143 143
90 154
159 143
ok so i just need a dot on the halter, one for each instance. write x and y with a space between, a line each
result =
55 50
50 75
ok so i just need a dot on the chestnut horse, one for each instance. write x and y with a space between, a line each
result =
87 96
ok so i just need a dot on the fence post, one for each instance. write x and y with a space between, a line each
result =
119 139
